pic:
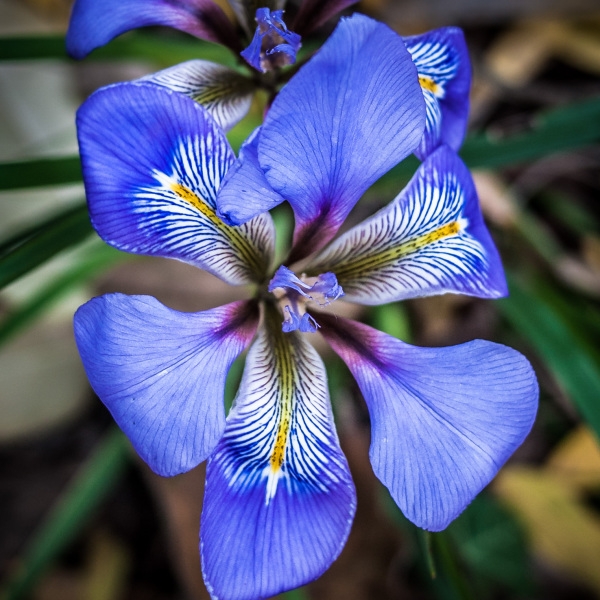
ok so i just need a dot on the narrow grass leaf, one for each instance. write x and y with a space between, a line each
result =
86 267
44 241
559 130
162 50
297 594
493 544
428 552
562 129
554 341
83 495
39 172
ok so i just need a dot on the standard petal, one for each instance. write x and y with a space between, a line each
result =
223 92
314 13
153 161
245 192
161 373
350 114
430 240
444 68
443 420
279 498
96 22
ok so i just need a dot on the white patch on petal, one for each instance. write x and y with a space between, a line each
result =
223 92
180 214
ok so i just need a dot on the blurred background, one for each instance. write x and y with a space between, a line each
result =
82 518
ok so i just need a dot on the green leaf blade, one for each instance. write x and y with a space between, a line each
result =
554 341
40 172
42 242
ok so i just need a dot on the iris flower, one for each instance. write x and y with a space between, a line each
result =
279 498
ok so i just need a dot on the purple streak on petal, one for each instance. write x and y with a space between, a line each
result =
349 115
273 44
96 22
314 13
161 373
265 528
444 420
246 192
442 57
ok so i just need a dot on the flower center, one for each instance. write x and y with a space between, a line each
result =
294 293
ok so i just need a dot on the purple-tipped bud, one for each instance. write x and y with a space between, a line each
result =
273 45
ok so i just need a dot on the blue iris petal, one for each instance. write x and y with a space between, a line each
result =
161 373
348 116
273 44
431 239
153 161
442 60
444 420
246 181
96 22
279 497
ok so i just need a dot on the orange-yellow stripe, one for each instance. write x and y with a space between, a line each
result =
360 266
427 83
186 194
238 241
285 370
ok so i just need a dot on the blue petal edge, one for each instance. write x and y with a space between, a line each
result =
443 420
161 373
245 192
96 22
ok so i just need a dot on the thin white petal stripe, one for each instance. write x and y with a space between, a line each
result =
436 62
433 111
418 245
178 214
280 430
225 94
